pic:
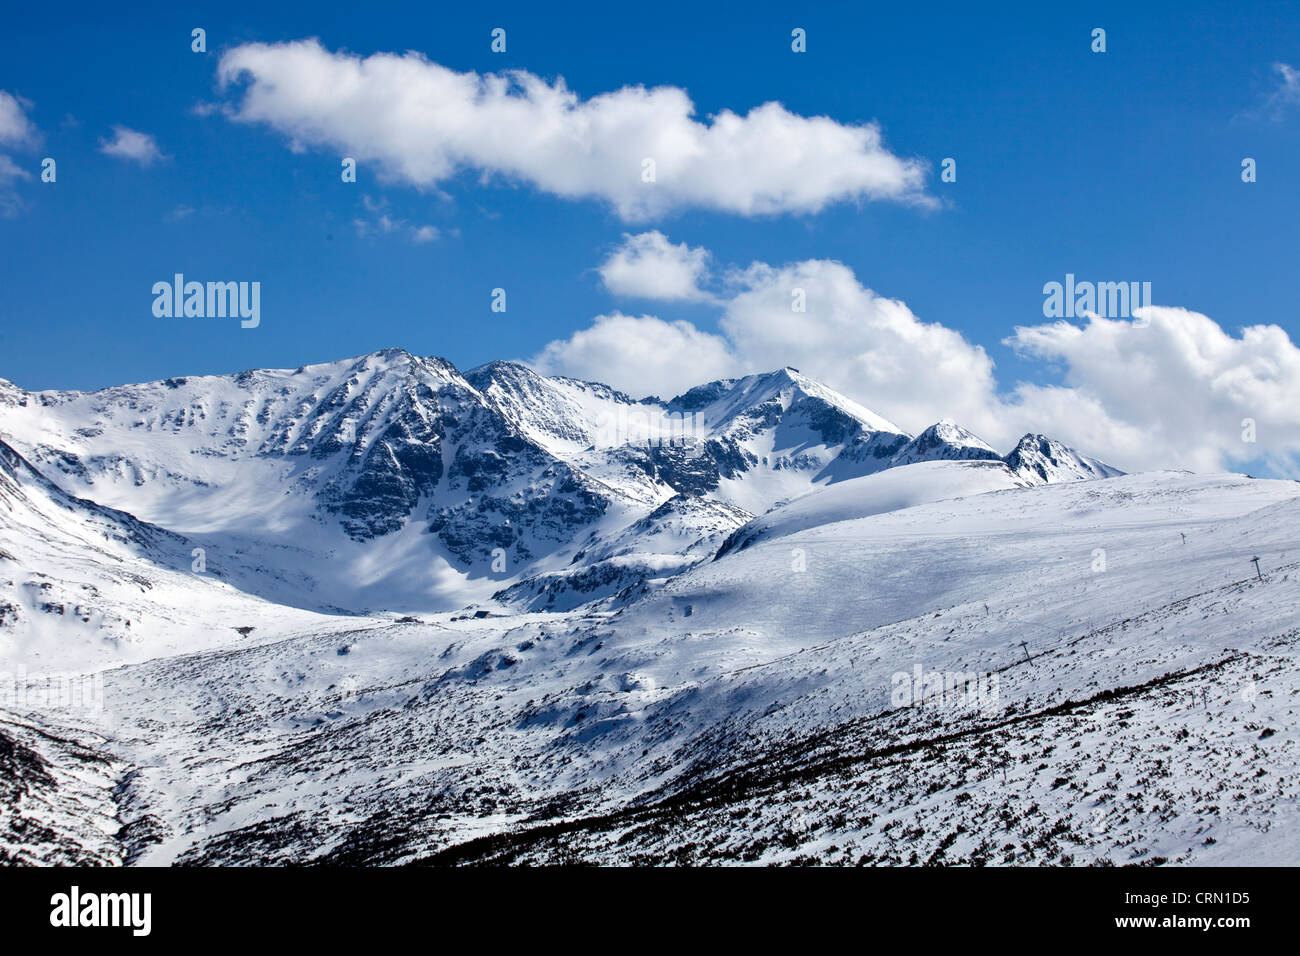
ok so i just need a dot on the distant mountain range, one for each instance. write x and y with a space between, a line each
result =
394 482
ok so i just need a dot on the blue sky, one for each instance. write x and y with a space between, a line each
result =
1116 166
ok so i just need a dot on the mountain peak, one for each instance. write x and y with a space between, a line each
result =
729 398
1042 459
945 441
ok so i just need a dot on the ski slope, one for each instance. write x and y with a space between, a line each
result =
747 710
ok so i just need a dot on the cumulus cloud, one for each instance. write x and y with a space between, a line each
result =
857 342
1174 389
648 266
1171 390
421 123
642 355
132 145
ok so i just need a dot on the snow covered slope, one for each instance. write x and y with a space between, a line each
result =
1137 686
83 586
679 533
892 490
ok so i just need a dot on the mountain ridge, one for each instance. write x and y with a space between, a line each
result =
390 480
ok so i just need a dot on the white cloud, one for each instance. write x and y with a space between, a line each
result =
421 123
853 340
641 355
1279 100
384 224
1289 82
15 128
1287 92
648 266
9 171
859 343
131 144
1169 391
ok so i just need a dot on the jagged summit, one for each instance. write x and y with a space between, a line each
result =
1040 458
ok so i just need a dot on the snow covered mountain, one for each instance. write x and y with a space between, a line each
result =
379 611
805 697
1040 459
945 441
392 482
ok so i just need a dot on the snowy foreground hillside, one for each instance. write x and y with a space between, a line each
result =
255 619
